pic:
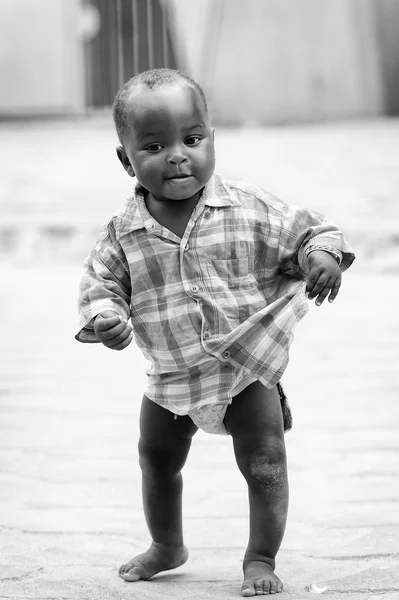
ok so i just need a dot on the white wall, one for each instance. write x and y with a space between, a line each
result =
189 20
271 61
40 60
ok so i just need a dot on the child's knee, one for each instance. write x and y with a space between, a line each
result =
266 468
158 461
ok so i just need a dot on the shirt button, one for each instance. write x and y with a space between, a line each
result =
206 335
186 247
226 354
194 288
207 215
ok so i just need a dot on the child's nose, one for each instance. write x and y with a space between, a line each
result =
177 158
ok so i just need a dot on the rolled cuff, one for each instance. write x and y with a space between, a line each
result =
337 254
337 246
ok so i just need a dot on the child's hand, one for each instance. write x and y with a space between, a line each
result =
112 330
324 276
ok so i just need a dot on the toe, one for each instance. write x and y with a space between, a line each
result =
247 588
125 568
259 587
262 586
133 574
273 587
276 587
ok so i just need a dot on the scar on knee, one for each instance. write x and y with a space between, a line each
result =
270 477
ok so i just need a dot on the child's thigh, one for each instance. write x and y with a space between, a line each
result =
255 413
160 427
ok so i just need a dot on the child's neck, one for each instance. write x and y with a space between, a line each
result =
172 214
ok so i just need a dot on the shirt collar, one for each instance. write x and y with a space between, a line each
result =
130 219
216 194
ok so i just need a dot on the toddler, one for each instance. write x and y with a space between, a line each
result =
210 277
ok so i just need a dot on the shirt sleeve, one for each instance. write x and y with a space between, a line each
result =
302 231
105 284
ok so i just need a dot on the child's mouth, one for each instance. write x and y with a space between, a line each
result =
179 178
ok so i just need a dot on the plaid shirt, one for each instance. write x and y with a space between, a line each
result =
216 309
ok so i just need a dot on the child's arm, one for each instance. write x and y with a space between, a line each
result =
105 293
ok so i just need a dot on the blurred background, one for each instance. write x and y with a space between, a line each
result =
260 62
304 97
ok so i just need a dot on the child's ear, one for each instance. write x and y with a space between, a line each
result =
120 151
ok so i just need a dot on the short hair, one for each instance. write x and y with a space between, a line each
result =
152 79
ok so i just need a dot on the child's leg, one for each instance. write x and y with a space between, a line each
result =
163 449
255 422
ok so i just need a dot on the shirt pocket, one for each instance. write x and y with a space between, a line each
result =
233 272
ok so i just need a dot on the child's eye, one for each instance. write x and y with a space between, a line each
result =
193 140
152 148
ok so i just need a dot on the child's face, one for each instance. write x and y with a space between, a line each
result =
170 146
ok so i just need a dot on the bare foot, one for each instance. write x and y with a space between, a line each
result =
259 579
156 559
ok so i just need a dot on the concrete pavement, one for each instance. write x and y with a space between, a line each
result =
70 485
70 506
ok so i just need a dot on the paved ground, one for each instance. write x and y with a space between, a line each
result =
70 507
